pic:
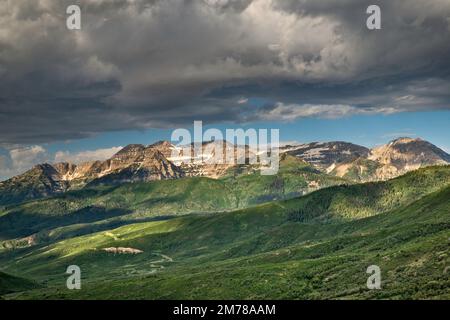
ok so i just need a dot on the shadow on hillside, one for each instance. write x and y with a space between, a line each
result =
17 224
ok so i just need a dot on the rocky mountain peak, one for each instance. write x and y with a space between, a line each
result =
164 147
326 154
403 140
40 181
64 168
130 151
44 169
161 144
362 164
409 151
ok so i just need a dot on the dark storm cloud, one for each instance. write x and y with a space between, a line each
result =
155 63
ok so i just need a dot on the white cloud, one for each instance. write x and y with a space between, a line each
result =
291 112
399 134
85 156
18 160
27 156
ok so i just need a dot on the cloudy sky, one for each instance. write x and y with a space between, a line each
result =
139 68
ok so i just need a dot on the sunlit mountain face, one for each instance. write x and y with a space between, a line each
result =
159 139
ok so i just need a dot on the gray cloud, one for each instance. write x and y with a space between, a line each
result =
154 63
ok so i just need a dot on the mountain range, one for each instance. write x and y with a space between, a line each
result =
359 163
139 163
153 222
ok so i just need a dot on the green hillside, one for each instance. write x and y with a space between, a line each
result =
365 200
9 284
267 251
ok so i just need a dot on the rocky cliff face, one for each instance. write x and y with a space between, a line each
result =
41 181
406 154
138 164
212 159
165 147
327 154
